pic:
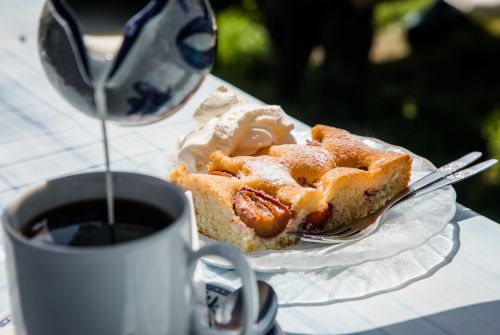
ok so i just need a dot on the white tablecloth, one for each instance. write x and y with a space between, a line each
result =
42 137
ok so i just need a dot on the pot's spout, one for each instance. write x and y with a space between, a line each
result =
105 46
97 27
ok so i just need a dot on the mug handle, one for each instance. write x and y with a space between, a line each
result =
250 294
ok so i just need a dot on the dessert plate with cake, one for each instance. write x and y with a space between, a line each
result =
254 180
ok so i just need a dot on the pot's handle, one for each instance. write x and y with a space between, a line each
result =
250 294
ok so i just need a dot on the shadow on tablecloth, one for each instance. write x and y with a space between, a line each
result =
478 319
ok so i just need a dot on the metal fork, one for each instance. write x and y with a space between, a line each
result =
448 174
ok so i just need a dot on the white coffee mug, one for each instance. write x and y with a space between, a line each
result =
140 287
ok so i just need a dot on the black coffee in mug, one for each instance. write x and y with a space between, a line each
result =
84 224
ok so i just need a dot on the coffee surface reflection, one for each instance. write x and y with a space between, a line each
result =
83 224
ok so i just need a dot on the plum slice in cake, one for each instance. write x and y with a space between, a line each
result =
252 201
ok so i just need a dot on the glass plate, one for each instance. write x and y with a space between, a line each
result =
406 226
328 286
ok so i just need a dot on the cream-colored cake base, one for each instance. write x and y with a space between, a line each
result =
215 216
350 200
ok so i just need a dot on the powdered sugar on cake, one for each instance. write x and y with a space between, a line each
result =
269 170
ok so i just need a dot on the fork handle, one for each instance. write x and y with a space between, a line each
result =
430 186
449 180
444 171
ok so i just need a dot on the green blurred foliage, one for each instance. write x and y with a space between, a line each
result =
409 108
242 39
491 133
493 25
388 12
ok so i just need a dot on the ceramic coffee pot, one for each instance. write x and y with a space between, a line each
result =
140 60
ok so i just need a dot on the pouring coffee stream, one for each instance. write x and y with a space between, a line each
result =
102 39
100 101
106 56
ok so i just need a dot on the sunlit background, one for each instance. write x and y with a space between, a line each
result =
418 73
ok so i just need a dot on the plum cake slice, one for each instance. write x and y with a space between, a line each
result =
252 201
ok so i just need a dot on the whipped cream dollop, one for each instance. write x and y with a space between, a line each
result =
217 103
236 127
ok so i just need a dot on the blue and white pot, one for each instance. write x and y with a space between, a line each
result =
168 48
